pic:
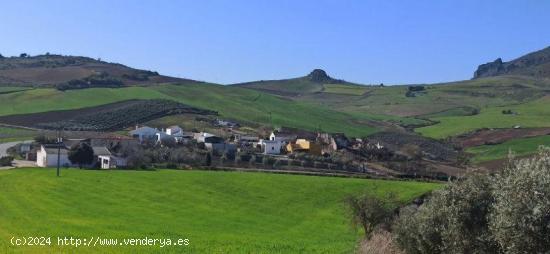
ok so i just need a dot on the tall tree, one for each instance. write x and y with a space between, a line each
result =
81 154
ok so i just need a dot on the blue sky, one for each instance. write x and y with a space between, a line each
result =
393 42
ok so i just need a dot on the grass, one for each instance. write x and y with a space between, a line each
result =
231 102
8 134
531 114
11 89
520 147
220 212
344 89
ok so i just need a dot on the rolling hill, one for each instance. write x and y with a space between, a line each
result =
80 72
315 101
314 82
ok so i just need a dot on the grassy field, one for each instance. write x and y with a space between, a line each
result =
8 134
532 114
220 212
231 102
11 89
521 147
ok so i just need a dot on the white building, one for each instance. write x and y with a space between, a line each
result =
270 146
145 133
109 161
174 130
47 156
282 137
201 137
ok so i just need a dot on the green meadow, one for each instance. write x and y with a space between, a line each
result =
219 212
8 134
231 102
531 114
520 147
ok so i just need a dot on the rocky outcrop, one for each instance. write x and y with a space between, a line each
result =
536 64
490 69
320 76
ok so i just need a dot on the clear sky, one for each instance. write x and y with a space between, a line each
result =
235 41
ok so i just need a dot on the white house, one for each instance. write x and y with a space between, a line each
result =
145 133
174 130
270 146
202 136
47 156
110 161
282 137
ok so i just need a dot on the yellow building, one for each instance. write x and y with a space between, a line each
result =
302 145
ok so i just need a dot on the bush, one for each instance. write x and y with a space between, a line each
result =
369 211
81 154
520 216
454 220
6 161
504 213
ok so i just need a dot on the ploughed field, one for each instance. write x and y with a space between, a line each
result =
219 212
105 117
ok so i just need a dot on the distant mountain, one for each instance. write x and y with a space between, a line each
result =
536 64
314 82
70 72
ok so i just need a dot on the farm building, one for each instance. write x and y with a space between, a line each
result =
110 161
205 137
270 146
144 133
174 130
47 156
221 148
302 145
282 137
242 139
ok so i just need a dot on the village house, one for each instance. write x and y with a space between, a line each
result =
173 130
111 161
48 154
282 137
145 133
178 134
205 137
303 145
270 146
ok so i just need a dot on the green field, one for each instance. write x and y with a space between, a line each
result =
231 102
220 212
344 89
531 114
520 147
11 89
8 134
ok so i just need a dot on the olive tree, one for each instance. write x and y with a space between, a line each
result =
520 216
453 220
369 211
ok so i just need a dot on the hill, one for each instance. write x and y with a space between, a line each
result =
535 64
314 82
67 72
219 212
240 104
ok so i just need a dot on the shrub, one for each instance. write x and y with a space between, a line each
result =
520 216
81 154
6 161
369 211
508 212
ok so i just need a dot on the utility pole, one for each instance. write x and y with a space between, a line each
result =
59 141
